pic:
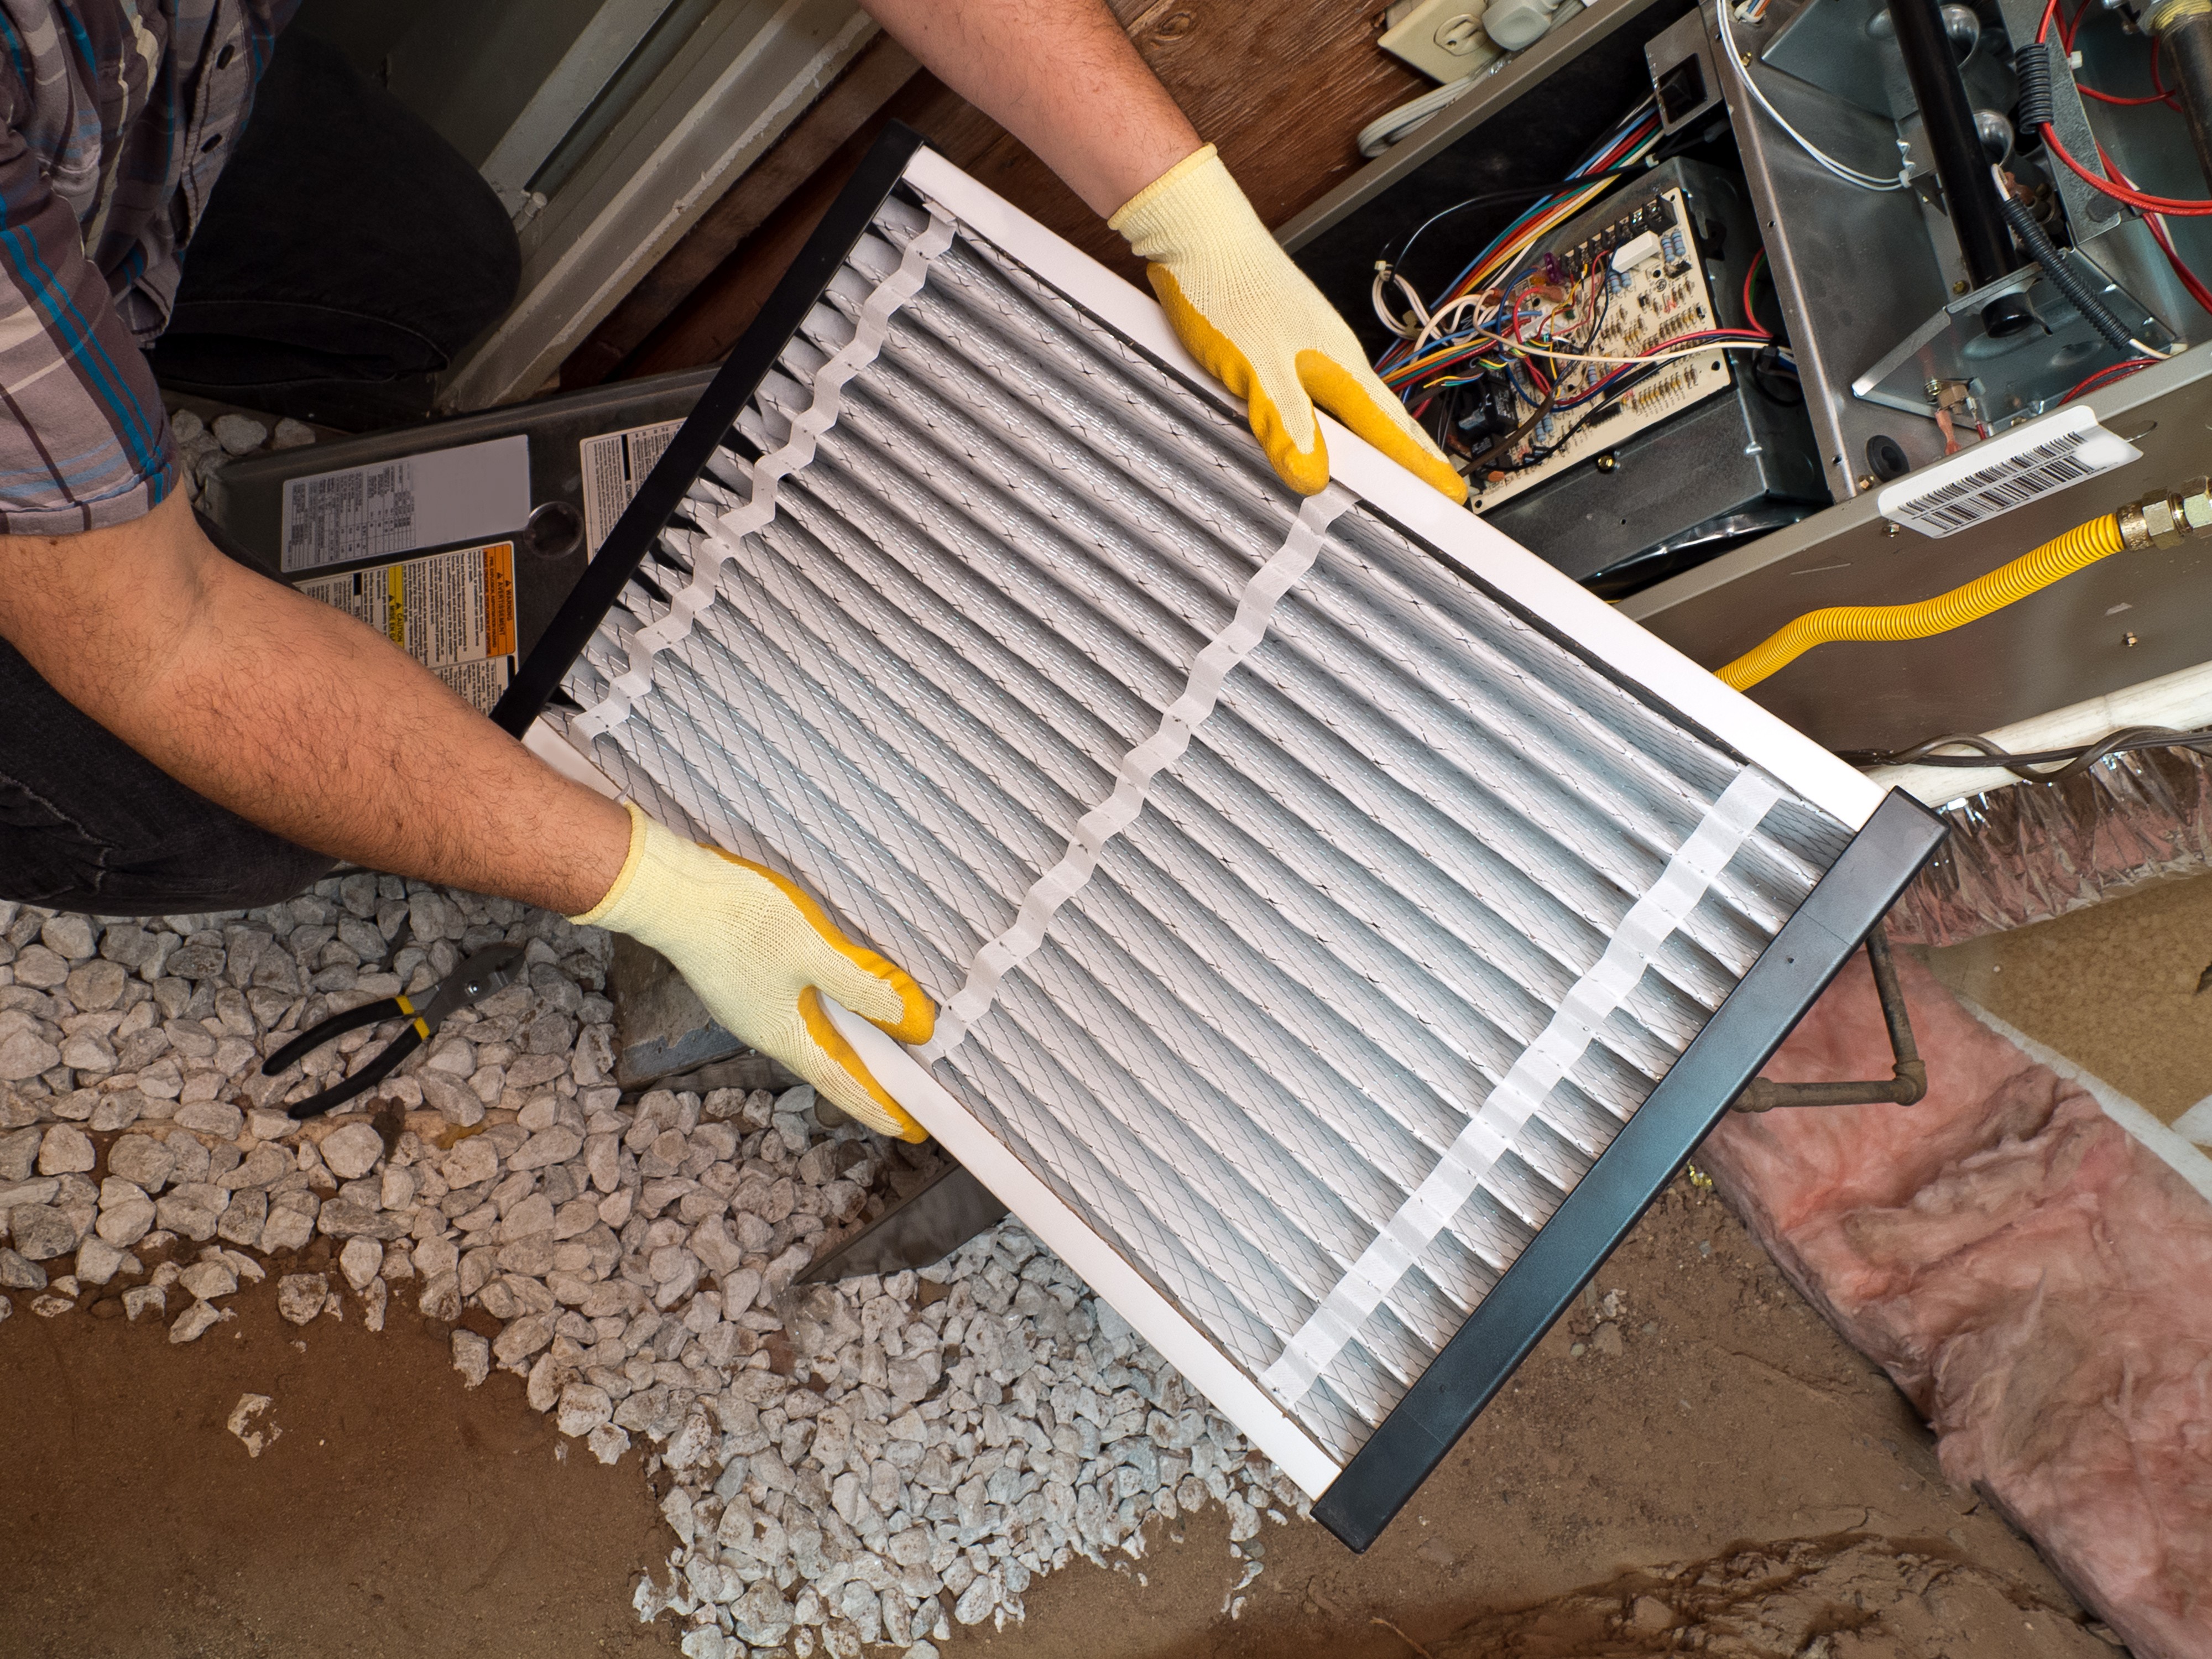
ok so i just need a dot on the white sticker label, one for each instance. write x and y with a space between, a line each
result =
2006 471
452 612
470 493
615 465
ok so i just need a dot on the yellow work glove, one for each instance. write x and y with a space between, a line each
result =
762 955
1253 320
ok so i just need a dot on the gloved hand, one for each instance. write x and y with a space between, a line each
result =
761 954
1256 324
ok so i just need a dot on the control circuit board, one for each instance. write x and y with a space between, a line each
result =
1654 290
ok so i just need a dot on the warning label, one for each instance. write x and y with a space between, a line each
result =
615 465
452 612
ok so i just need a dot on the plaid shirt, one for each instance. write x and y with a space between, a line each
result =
120 113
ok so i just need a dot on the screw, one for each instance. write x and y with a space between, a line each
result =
1892 530
1607 463
2128 640
1959 286
1866 480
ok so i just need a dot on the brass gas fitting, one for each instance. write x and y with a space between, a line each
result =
2162 15
2197 505
2168 519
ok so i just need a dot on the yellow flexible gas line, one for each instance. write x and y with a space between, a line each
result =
2083 545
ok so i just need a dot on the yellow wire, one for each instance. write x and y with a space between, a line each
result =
2083 545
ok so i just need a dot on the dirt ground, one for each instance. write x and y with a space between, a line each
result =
2123 989
1732 1478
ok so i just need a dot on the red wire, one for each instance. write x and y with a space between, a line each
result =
2197 291
2133 365
2073 27
2134 198
2189 278
1750 318
2110 98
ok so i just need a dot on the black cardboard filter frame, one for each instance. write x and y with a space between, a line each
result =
1742 1036
1752 1022
686 457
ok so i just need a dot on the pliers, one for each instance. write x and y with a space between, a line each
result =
490 969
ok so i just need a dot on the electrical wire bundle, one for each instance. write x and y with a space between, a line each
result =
1511 313
2057 764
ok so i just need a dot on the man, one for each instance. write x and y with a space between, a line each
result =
177 732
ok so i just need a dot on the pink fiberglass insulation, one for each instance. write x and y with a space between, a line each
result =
2036 1281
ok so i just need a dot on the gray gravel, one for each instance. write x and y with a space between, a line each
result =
871 1462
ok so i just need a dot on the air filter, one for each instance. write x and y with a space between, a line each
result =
1343 924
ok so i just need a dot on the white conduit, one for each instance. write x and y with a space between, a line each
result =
1732 820
1134 780
720 545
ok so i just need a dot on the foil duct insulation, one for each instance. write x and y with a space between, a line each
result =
2034 851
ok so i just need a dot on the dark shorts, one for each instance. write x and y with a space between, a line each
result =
87 823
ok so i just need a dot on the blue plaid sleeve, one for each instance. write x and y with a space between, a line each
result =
84 443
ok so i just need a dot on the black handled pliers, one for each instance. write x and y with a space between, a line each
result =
490 969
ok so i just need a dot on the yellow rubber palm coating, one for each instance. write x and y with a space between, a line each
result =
761 953
2083 545
1257 325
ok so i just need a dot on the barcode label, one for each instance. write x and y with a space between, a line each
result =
2006 471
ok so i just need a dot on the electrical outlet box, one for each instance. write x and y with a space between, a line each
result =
1441 38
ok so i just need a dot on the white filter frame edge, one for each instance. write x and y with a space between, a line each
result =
552 745
1685 685
1133 1296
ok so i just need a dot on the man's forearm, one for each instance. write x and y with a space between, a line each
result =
297 717
1061 76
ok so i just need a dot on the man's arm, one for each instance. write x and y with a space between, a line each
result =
296 716
1061 76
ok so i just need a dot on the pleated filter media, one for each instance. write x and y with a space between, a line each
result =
1314 890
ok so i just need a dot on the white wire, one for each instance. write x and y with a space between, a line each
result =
1512 346
1385 130
1828 162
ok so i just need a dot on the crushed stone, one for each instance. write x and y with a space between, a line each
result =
243 1423
869 1462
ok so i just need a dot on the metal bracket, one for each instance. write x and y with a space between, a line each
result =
927 1225
1909 1080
